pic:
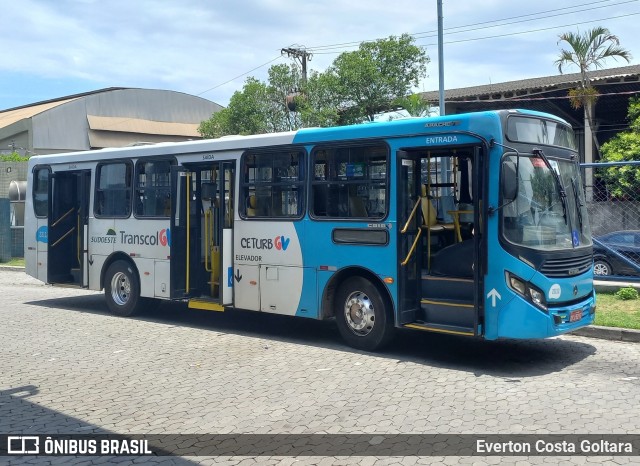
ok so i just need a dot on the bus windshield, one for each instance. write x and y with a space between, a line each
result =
549 212
539 131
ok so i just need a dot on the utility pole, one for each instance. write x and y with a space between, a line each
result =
440 59
302 56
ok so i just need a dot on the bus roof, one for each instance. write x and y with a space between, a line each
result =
394 128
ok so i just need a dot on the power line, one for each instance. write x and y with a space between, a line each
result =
484 25
453 28
325 49
534 30
239 76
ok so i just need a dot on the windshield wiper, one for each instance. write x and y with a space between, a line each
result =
578 201
556 177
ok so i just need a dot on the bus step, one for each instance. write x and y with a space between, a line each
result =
76 275
205 305
440 328
435 287
456 312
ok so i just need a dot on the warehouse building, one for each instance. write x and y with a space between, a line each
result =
113 117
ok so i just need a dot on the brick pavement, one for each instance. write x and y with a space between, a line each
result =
67 366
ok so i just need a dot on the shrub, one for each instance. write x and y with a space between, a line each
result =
13 157
627 293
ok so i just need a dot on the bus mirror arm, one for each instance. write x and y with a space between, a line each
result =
509 176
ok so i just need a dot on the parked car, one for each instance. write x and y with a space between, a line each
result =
625 243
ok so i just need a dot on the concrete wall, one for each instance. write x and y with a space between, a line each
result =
11 171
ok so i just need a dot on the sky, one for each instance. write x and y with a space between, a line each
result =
54 48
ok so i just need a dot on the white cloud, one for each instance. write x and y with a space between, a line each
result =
195 45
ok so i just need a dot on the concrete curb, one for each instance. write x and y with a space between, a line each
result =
609 333
12 268
603 286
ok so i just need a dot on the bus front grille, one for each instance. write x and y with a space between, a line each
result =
567 267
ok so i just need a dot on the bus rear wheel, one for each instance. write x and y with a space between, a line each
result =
363 315
122 289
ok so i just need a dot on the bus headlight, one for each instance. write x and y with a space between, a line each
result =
537 297
527 291
516 284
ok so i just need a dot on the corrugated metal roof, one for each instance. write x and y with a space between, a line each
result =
532 84
137 125
12 116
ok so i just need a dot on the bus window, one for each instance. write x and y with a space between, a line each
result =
113 190
272 184
350 182
153 194
41 191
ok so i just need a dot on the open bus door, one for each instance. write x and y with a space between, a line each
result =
440 261
409 220
202 234
68 218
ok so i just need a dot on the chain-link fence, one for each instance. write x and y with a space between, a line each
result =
613 200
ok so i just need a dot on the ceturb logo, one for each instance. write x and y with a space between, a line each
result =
162 238
281 243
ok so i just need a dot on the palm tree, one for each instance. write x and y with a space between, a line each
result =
587 51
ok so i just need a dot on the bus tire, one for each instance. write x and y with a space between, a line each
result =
363 315
122 289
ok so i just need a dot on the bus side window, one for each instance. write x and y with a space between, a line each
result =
41 192
113 189
272 184
153 195
350 182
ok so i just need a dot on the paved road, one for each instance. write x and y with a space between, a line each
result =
67 366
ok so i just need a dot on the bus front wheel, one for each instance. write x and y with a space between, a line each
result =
122 289
362 315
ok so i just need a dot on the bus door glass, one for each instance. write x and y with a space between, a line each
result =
409 250
201 225
215 189
68 215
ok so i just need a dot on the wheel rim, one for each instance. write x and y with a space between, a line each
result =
359 313
600 269
120 288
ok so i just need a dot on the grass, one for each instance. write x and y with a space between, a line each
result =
614 312
15 262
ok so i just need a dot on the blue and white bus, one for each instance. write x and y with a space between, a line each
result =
470 224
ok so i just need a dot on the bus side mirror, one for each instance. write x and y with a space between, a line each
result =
509 181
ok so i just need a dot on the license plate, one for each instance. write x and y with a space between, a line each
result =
575 315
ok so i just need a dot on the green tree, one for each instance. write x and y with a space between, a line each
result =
358 86
624 182
370 79
588 51
318 104
258 108
415 105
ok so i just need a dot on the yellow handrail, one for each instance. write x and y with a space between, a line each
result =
412 250
63 237
208 230
413 213
63 217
